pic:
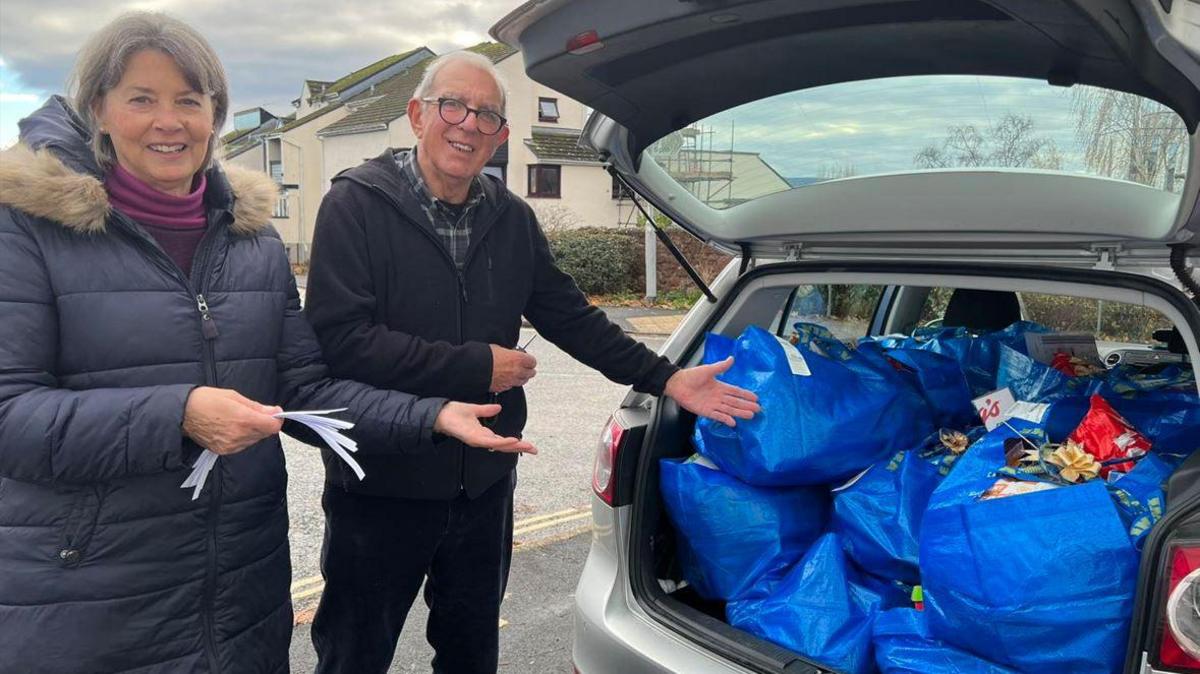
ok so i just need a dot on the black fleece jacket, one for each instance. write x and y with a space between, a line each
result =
391 309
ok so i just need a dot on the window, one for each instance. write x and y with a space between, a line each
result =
846 310
281 205
619 191
547 109
496 170
276 168
1109 321
545 181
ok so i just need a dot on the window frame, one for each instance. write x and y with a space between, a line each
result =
532 170
542 117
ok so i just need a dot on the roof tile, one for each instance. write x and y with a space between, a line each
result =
552 147
397 90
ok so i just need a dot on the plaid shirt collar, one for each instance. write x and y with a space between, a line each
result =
407 161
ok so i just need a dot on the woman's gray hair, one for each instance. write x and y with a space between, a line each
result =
106 54
425 88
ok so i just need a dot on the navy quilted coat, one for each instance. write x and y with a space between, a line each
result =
106 564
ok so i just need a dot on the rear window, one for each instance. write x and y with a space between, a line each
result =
1117 323
924 123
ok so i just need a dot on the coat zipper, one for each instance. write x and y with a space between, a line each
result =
208 330
461 280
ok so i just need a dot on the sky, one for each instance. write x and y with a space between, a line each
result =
878 126
268 49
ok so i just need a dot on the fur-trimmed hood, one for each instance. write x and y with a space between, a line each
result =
50 174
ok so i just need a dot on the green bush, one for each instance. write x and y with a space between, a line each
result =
600 260
852 301
1108 320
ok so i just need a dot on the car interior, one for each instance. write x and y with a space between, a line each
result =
1124 318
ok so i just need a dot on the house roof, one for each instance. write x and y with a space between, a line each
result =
232 151
309 117
395 92
559 146
234 135
363 73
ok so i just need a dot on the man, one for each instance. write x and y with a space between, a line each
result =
422 268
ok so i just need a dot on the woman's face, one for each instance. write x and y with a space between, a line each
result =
158 124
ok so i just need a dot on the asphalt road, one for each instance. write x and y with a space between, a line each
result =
568 405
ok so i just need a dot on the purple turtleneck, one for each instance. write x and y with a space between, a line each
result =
177 223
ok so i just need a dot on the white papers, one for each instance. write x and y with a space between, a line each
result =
327 428
199 474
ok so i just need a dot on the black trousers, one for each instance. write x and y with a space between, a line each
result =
375 554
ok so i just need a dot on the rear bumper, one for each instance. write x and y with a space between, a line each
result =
612 633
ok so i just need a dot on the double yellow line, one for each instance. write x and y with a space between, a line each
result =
540 522
313 585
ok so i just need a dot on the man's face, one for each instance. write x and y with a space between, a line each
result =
456 153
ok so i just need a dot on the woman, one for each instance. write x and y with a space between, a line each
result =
147 310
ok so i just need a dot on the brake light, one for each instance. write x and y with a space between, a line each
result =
603 482
1180 647
584 43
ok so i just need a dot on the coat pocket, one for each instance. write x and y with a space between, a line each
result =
80 525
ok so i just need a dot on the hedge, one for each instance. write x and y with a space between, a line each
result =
602 261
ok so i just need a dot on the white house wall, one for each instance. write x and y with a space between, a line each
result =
586 199
304 165
250 159
343 152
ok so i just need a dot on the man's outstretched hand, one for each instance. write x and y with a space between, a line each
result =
697 390
461 420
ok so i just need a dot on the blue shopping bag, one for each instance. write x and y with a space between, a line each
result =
937 377
1041 582
979 356
878 515
818 610
1141 496
731 535
1033 381
827 412
904 645
1171 422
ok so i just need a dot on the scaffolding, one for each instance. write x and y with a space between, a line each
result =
703 171
689 157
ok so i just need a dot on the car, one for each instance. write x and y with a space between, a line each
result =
865 162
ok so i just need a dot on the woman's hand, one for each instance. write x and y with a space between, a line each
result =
226 422
461 420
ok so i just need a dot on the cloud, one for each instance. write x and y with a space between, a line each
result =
8 97
16 101
267 49
880 125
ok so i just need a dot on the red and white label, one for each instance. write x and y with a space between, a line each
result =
995 407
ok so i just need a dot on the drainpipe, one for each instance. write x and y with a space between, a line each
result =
303 257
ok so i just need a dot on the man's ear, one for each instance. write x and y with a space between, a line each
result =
415 119
502 135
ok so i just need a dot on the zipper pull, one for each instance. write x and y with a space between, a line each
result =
208 327
462 286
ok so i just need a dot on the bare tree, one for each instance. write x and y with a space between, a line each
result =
555 217
1010 142
1129 137
835 170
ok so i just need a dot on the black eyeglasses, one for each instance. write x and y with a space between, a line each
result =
454 112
